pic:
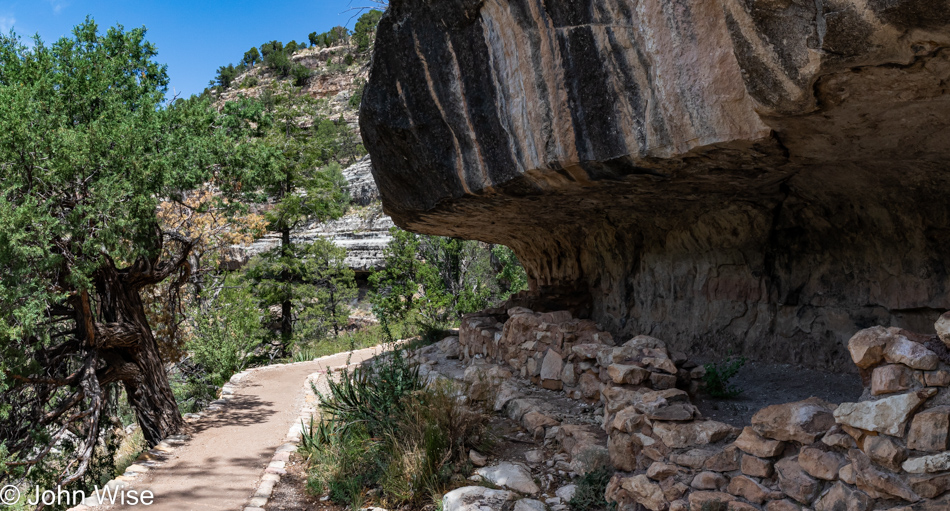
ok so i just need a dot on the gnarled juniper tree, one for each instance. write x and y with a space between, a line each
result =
88 147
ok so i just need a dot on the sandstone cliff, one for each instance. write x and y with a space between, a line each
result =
765 176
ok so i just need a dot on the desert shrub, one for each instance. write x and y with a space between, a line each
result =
249 81
716 380
589 493
357 96
384 432
300 74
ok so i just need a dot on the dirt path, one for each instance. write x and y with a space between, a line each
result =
219 468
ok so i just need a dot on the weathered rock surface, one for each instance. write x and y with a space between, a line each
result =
363 232
760 174
476 498
510 475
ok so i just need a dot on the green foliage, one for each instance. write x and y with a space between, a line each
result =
383 430
716 380
249 81
372 396
348 59
432 280
365 31
590 489
227 74
300 74
357 96
87 147
251 57
279 62
291 47
226 331
271 47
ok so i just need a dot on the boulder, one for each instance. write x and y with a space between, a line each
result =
476 498
749 489
820 464
679 435
753 443
756 467
551 370
878 483
891 378
478 459
712 499
510 475
842 498
630 374
803 421
885 452
929 430
646 492
566 493
901 350
927 464
726 460
709 481
783 505
795 482
942 326
930 486
887 415
867 346
529 505
659 471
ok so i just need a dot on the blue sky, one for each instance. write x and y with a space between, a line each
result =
193 37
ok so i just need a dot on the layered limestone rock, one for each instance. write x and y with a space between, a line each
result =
363 231
768 177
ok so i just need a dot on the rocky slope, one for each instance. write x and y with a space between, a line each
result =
765 177
364 230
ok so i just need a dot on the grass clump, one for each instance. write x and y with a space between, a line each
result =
589 494
388 438
716 380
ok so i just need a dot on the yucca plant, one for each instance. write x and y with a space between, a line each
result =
372 396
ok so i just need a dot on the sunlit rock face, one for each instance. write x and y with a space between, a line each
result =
760 176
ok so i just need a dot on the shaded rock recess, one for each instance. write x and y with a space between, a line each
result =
767 177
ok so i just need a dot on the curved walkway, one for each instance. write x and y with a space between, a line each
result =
219 467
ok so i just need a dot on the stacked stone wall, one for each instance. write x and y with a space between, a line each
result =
887 451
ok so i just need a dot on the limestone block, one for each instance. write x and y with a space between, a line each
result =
842 498
802 421
867 346
942 326
887 415
885 452
749 489
679 435
726 460
795 482
901 350
929 430
630 374
646 492
927 464
878 483
709 481
820 464
891 378
753 443
551 370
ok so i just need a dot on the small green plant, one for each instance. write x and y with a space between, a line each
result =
382 433
589 493
716 380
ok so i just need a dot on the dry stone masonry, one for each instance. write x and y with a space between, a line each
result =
889 451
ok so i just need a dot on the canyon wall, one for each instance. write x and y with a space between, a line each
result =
764 177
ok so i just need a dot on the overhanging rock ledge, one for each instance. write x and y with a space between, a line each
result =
766 176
